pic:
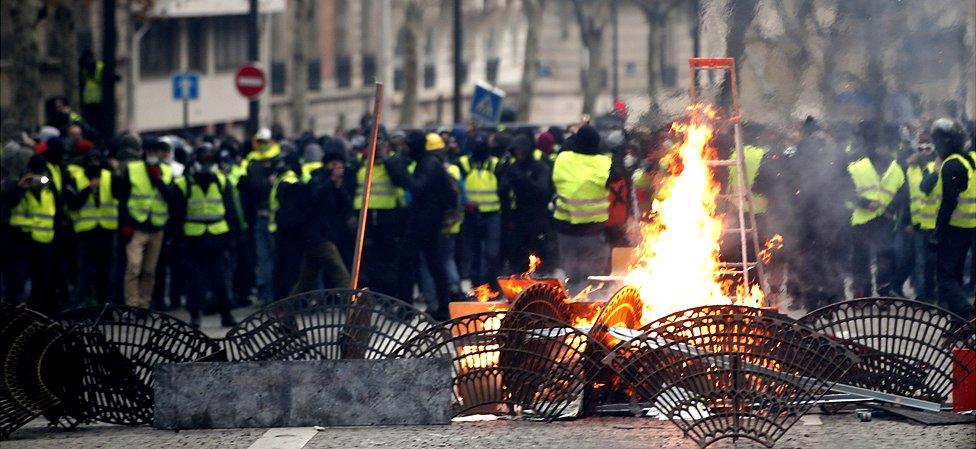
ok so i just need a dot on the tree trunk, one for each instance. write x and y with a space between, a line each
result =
67 47
741 16
303 13
25 72
533 19
591 23
411 65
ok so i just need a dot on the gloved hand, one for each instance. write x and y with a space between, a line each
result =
471 207
127 232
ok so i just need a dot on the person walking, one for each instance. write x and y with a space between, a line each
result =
144 188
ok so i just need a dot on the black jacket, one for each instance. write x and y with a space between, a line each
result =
327 209
529 182
427 186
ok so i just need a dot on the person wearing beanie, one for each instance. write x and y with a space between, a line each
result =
311 160
433 196
94 213
581 175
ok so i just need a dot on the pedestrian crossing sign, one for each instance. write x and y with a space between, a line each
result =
486 104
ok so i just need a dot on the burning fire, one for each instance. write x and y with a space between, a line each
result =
534 262
678 257
773 244
484 293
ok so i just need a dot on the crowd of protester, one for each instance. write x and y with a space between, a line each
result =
211 223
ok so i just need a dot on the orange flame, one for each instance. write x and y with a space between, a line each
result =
534 262
484 293
773 244
678 257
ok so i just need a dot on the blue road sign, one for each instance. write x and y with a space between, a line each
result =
486 104
186 86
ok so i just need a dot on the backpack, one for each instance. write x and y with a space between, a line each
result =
619 203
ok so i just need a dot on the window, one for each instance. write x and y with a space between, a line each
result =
369 69
158 49
196 34
230 42
343 70
279 75
491 70
314 74
430 75
398 79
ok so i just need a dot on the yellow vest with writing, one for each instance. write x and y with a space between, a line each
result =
582 195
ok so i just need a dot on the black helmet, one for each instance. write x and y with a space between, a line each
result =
948 136
205 153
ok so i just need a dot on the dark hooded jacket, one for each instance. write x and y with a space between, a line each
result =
428 184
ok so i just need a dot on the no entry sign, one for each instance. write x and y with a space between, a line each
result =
250 80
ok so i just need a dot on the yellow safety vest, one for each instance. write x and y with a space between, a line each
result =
145 202
481 184
872 187
923 208
454 228
754 157
382 195
92 91
205 211
289 177
582 195
965 214
234 177
105 215
273 151
35 216
308 168
55 172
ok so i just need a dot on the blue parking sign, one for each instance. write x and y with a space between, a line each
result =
486 104
185 86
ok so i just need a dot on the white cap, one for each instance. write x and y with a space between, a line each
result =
263 134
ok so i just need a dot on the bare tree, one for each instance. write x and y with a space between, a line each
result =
655 14
533 18
66 45
304 14
413 22
740 19
592 18
26 62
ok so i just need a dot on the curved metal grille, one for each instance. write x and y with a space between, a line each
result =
906 347
543 299
327 324
120 346
746 374
503 361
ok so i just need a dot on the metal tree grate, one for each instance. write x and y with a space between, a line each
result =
543 299
327 324
503 361
737 375
120 346
906 347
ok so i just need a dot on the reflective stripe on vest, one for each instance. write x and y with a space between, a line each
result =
754 157
382 195
289 177
924 208
35 216
582 195
205 212
872 187
105 214
145 202
481 184
965 214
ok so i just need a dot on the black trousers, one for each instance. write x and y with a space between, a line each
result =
243 259
207 256
40 259
287 261
381 248
872 240
96 249
954 245
420 240
170 276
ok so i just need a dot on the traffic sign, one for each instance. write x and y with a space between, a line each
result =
250 81
486 104
186 86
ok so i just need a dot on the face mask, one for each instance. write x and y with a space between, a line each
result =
152 160
630 161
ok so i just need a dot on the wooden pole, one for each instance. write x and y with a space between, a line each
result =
367 185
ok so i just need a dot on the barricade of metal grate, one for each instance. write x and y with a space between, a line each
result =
543 299
119 347
742 374
326 325
905 346
506 362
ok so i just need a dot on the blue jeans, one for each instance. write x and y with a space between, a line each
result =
482 236
264 250
446 250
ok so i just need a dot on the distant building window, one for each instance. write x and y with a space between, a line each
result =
369 69
491 70
430 75
669 76
543 69
230 42
196 33
158 49
398 79
279 76
630 68
314 74
343 71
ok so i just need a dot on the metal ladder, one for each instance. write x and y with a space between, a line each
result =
742 194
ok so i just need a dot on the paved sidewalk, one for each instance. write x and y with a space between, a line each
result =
839 431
